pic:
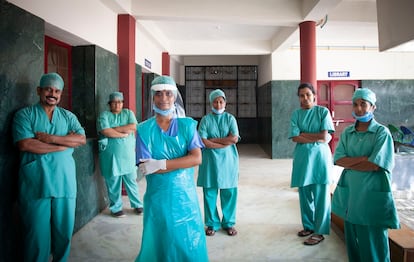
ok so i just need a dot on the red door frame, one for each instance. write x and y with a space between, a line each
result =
68 85
330 103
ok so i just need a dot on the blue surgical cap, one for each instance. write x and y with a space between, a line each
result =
365 94
51 80
216 93
116 96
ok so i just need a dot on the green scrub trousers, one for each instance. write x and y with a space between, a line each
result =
366 243
228 200
114 185
39 231
315 207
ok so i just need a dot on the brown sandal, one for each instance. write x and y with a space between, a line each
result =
305 233
210 231
314 240
231 231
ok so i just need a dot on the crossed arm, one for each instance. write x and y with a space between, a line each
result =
357 163
152 166
193 158
220 142
119 131
44 143
304 138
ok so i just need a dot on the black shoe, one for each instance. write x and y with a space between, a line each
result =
119 214
138 210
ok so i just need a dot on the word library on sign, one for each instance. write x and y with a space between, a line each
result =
339 74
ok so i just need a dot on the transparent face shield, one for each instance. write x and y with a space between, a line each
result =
179 105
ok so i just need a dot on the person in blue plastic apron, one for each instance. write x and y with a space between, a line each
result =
310 127
117 129
219 170
363 196
168 148
46 136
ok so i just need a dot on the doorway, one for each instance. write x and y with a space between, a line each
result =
58 58
337 97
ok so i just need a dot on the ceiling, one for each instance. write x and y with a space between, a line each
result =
246 27
252 27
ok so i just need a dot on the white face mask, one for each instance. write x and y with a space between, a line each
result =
218 112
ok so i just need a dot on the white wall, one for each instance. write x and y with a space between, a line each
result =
147 48
90 20
177 70
286 65
361 64
264 70
79 22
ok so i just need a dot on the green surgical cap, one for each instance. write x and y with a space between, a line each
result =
163 83
216 93
116 96
51 80
365 94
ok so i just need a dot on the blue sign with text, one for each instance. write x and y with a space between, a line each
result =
147 63
339 74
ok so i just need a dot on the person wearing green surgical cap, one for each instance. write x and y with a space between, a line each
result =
117 127
363 196
168 149
46 136
219 170
310 128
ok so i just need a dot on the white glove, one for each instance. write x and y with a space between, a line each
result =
149 166
328 138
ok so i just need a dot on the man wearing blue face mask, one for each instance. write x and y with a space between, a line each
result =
363 196
219 170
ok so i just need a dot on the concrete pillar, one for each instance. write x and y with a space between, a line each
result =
308 52
126 55
165 63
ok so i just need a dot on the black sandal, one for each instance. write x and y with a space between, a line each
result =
231 231
305 233
210 231
314 240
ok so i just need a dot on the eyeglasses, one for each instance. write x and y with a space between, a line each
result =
116 102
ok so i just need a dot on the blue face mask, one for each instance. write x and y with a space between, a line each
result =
218 112
365 118
163 112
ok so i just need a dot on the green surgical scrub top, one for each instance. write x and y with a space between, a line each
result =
52 174
365 198
116 155
220 166
312 162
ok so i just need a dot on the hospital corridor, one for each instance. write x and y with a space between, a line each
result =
268 219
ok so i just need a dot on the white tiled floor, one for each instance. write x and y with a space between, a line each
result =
268 219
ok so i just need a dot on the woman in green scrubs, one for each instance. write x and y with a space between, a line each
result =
363 197
117 127
46 136
219 170
310 128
